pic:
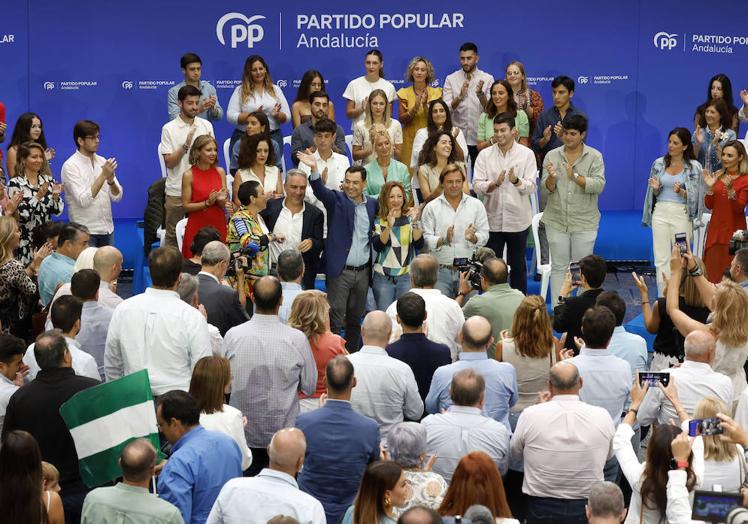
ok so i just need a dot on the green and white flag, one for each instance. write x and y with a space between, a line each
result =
104 419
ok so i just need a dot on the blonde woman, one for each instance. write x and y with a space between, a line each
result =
527 99
729 310
384 168
531 349
414 100
310 314
378 111
203 192
257 92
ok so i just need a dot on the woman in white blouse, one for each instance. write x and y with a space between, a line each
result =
649 480
257 92
211 381
257 162
378 111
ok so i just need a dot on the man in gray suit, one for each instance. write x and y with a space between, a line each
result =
221 302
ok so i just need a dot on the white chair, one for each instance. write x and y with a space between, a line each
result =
227 155
699 235
543 269
161 162
745 140
534 205
286 141
179 231
349 145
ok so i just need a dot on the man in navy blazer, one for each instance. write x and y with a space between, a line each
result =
350 222
340 443
421 354
282 218
221 303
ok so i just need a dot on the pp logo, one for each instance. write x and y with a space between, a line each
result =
49 86
435 83
127 84
663 40
248 30
583 80
282 83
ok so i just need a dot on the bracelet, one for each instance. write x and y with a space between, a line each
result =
695 272
110 183
636 411
185 147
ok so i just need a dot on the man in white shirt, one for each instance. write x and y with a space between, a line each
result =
11 365
273 491
386 389
463 428
157 331
444 317
66 316
504 175
177 137
454 226
694 380
467 91
332 166
91 184
558 482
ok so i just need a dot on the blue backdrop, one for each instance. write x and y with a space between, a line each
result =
641 67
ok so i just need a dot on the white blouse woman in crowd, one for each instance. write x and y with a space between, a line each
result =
257 92
439 119
358 90
378 112
211 382
257 162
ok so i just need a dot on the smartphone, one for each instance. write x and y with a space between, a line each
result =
460 263
682 241
653 377
711 506
576 273
705 427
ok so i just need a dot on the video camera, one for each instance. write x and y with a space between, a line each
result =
739 240
473 268
242 258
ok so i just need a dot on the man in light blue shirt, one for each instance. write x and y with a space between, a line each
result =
201 461
290 272
210 107
95 317
57 268
500 377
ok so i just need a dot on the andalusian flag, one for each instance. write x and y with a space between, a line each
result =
104 419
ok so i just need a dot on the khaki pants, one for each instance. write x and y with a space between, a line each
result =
173 213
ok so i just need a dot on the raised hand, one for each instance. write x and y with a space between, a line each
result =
558 129
307 158
744 96
470 234
547 133
109 167
699 135
57 189
49 153
13 202
709 179
276 110
42 191
464 90
641 284
479 87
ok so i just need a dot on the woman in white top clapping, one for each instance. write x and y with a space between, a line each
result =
359 89
257 162
257 92
211 381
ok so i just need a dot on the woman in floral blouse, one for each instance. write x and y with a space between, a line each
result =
41 195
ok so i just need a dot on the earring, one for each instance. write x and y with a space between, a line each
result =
387 501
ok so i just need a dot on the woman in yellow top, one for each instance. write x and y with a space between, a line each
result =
414 101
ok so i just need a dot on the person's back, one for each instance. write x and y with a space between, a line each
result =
157 331
629 346
221 302
340 444
95 317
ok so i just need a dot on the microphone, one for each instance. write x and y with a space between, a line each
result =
479 514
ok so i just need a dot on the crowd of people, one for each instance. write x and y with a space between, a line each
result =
414 389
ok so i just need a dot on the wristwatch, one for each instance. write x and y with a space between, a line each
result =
561 299
678 464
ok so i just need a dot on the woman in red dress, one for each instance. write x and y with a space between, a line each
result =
203 192
726 196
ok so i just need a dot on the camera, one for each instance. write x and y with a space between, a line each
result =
739 240
242 258
473 268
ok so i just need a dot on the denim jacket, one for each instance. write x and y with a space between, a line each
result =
694 192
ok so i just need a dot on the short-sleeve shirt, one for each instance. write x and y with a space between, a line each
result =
173 136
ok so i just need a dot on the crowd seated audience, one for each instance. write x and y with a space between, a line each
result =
400 387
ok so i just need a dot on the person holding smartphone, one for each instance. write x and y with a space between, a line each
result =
674 201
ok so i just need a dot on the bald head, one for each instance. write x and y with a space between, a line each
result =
268 295
107 262
376 329
137 460
495 271
564 379
286 450
476 334
424 270
700 346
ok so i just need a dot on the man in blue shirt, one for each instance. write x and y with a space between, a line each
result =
290 272
201 461
340 443
57 268
209 106
421 354
350 222
500 377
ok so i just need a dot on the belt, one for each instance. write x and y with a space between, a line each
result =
358 268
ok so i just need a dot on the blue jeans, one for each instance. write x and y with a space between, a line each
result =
544 510
388 289
101 240
448 281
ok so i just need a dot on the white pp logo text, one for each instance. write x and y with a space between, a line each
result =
247 31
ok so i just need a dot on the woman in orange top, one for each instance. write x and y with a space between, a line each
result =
726 196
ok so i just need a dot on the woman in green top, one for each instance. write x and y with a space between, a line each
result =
383 487
384 167
502 101
397 235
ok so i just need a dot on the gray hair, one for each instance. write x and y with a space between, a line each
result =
698 343
424 270
406 442
295 172
214 253
290 265
188 286
606 500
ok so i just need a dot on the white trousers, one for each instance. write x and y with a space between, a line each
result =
564 249
668 219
